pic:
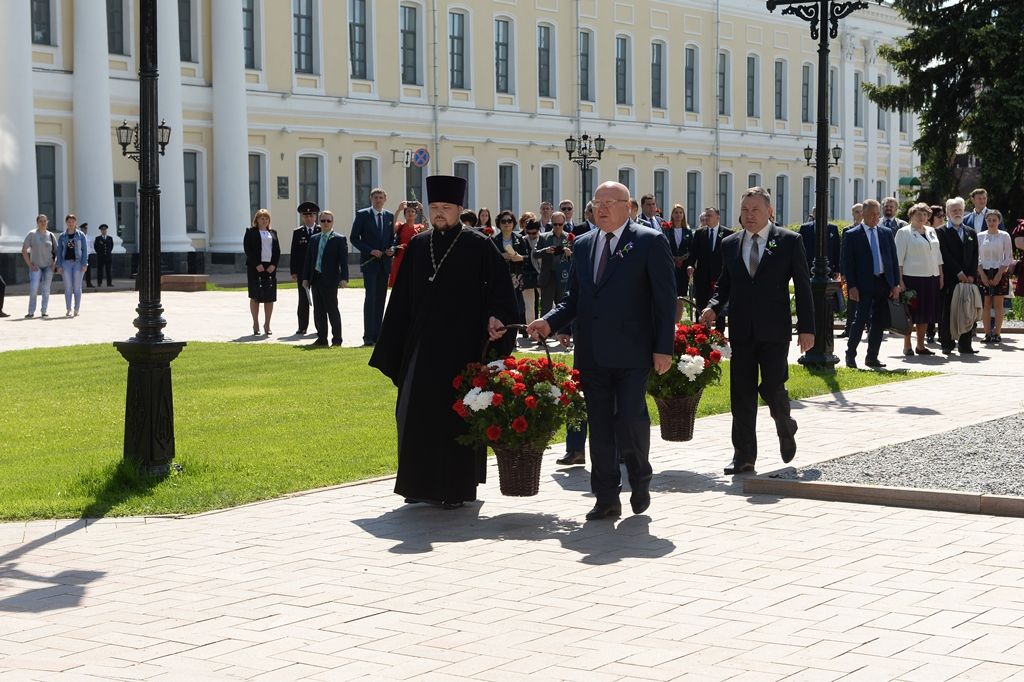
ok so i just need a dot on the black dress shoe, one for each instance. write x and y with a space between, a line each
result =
300 332
336 342
453 505
740 468
851 363
844 335
787 443
640 499
319 343
604 511
572 459
874 362
967 351
948 350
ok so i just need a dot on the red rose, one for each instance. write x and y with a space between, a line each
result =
702 339
457 382
460 409
519 389
493 432
707 363
692 351
565 399
510 363
575 374
519 424
682 329
571 237
531 402
569 386
488 231
715 356
543 362
497 400
479 381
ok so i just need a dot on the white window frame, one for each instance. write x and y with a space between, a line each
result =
696 78
259 53
196 27
421 35
318 50
782 219
727 90
374 179
807 69
882 115
859 110
467 47
698 201
202 182
128 59
264 156
754 174
591 68
370 42
631 185
724 206
60 175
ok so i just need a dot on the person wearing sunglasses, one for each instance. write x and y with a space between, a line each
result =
554 251
326 271
516 252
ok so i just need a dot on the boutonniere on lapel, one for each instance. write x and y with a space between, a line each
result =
624 250
970 237
771 245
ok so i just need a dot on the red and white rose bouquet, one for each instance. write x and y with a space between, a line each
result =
697 353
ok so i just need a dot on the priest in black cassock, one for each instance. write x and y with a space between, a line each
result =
452 295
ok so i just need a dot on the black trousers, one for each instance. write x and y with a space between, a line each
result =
104 264
874 307
303 310
619 422
91 262
3 291
325 310
851 313
375 282
549 294
945 336
771 360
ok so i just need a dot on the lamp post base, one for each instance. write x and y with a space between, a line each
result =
149 407
822 354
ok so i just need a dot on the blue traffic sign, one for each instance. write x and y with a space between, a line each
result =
420 157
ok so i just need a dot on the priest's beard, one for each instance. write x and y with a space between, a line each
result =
440 222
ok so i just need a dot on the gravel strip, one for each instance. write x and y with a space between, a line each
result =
983 458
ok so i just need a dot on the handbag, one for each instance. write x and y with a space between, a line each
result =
266 288
899 317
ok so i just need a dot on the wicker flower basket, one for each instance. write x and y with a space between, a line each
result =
677 416
519 468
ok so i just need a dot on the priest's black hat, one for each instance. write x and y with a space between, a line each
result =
446 189
308 207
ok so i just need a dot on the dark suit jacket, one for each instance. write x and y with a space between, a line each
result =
334 267
707 263
832 251
896 224
654 222
549 262
103 246
366 237
858 261
630 314
300 241
759 305
958 256
969 221
253 248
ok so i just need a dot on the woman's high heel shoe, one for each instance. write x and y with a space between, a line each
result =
266 330
255 330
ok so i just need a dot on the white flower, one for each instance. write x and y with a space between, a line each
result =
556 393
724 350
691 366
477 399
497 364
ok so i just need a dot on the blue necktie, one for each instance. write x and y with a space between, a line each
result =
875 255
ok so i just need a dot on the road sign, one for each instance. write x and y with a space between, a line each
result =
420 157
406 158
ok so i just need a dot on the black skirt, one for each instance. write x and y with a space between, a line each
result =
262 285
1001 289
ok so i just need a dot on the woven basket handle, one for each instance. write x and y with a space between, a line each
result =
511 327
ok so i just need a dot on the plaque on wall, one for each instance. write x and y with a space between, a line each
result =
282 186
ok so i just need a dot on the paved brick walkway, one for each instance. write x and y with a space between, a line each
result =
710 584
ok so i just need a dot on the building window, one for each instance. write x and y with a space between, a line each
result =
115 27
904 122
833 98
309 179
410 46
880 190
46 181
692 194
414 183
549 184
586 73
507 193
358 39
658 75
191 191
628 178
464 170
622 71
753 87
808 199
249 32
364 182
858 190
255 183
781 190
807 103
883 115
457 50
833 198
780 90
858 101
661 189
691 74
724 105
544 70
724 196
302 15
185 30
754 180
502 56
42 26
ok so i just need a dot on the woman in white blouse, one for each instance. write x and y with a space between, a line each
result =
917 250
995 256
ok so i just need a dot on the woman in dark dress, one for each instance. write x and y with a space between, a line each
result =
262 252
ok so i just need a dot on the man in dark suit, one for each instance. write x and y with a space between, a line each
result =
831 247
587 225
621 303
958 245
297 260
649 212
758 263
975 218
705 263
872 273
552 248
373 233
104 247
326 269
890 207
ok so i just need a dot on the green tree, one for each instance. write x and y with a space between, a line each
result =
962 67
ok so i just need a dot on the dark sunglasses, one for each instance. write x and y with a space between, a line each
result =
563 209
327 220
506 220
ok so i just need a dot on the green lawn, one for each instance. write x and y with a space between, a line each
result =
252 422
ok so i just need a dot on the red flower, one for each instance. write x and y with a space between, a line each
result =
479 381
457 382
519 424
575 374
531 402
564 399
488 231
497 400
682 329
510 363
571 237
460 409
543 362
569 386
715 356
707 363
692 351
702 339
493 432
519 389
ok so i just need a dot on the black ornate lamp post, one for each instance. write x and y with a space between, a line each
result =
823 16
584 151
149 408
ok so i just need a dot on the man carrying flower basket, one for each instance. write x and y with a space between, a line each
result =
621 302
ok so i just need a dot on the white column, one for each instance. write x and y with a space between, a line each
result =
871 118
173 237
895 148
94 138
230 129
846 101
19 200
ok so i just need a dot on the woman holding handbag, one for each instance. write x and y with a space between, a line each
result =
920 259
262 252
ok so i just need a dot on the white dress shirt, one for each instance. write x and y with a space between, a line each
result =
994 250
762 244
599 245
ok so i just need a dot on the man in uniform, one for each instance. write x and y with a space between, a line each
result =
453 294
91 258
104 247
300 242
